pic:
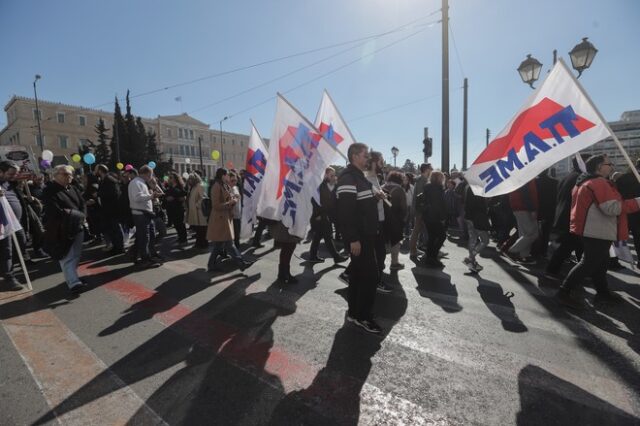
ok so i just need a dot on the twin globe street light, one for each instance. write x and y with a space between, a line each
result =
581 55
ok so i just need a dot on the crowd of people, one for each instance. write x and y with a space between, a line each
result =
369 210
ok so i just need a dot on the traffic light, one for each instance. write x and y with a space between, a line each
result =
428 147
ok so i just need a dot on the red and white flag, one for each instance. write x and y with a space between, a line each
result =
255 168
332 126
298 156
8 221
556 121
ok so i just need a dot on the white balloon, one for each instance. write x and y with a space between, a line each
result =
187 160
47 155
185 175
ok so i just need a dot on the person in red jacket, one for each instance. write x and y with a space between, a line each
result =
598 217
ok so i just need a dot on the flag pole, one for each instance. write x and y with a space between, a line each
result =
603 120
24 267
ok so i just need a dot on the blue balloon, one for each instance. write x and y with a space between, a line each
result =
89 158
152 165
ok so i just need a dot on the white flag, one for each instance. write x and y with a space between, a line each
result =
253 178
8 221
298 156
332 126
556 121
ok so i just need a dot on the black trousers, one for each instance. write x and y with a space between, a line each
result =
257 237
593 264
437 236
236 233
568 242
381 250
176 217
322 230
363 280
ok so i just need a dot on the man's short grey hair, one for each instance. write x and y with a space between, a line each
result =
63 167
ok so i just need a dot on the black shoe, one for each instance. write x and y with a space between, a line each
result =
340 259
414 257
383 288
116 251
316 259
39 254
564 298
149 263
344 277
608 297
11 285
369 325
257 245
79 288
614 265
244 265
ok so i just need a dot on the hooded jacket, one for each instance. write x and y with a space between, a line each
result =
598 210
357 206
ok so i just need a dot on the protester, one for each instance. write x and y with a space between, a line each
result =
8 170
629 187
374 174
547 194
599 217
434 218
408 185
358 218
175 196
321 222
237 208
524 203
65 213
477 221
109 193
418 227
141 202
567 241
195 215
220 228
394 217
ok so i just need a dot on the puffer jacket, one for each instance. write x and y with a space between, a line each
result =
357 206
598 210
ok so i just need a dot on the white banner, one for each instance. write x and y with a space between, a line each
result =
332 126
8 221
298 155
255 168
556 121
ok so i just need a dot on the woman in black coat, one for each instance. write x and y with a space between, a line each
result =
434 216
394 217
175 196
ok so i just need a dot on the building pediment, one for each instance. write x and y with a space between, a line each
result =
183 118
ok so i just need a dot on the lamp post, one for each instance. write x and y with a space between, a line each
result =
221 144
200 151
35 93
394 152
581 55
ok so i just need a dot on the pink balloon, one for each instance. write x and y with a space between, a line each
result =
128 167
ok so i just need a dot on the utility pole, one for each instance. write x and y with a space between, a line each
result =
445 86
35 93
464 127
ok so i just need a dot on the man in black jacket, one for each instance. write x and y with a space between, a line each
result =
109 198
358 219
65 214
321 222
568 242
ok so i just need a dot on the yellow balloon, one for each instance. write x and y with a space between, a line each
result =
120 166
76 158
215 154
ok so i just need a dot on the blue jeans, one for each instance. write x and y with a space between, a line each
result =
219 247
142 223
69 263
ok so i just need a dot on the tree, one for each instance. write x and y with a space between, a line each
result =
102 151
118 137
409 167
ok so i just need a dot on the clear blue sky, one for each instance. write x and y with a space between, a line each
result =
87 51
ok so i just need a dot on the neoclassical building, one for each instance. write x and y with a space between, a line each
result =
66 127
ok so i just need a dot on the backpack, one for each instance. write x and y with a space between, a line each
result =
421 203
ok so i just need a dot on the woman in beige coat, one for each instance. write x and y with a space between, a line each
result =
195 216
220 229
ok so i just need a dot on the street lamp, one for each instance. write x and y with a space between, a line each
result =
221 145
35 93
200 151
394 152
582 55
529 70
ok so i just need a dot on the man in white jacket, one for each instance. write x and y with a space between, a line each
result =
141 203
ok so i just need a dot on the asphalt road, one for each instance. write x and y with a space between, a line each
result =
178 345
